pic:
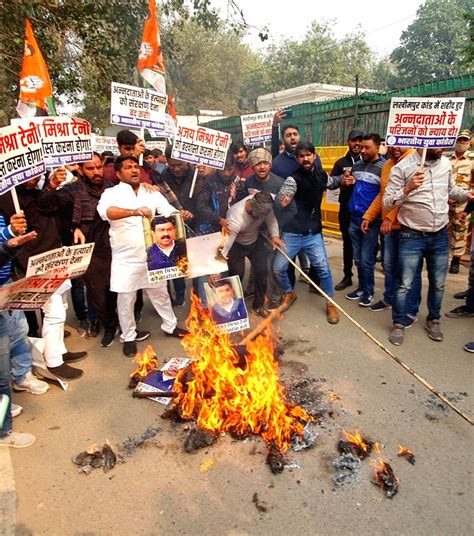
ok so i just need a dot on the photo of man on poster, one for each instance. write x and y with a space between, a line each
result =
169 243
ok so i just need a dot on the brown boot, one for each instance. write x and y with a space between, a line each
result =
332 314
288 299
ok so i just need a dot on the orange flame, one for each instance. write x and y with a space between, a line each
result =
380 466
147 361
335 396
227 395
404 451
183 264
356 439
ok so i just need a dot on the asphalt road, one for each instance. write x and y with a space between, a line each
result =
162 490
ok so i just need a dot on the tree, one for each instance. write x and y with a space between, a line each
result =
435 43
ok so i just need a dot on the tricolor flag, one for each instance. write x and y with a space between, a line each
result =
150 57
36 92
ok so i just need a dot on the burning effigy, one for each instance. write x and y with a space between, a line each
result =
233 389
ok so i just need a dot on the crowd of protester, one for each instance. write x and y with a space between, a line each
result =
268 205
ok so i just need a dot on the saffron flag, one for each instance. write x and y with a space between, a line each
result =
36 92
150 57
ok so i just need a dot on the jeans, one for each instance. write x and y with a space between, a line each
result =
344 223
414 248
364 248
313 246
391 254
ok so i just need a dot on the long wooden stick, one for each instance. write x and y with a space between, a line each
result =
375 340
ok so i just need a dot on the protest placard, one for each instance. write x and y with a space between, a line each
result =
202 255
67 262
166 251
104 143
29 293
257 128
21 155
424 122
226 304
132 106
199 145
65 140
168 131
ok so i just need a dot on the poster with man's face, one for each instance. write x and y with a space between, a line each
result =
226 304
167 256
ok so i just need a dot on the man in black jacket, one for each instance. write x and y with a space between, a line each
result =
304 231
354 141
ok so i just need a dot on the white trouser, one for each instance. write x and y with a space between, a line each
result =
53 326
160 300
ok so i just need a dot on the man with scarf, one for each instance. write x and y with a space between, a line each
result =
81 198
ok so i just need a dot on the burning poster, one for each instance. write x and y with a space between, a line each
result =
203 257
166 248
226 304
257 128
21 155
199 145
162 380
65 140
132 106
68 261
417 121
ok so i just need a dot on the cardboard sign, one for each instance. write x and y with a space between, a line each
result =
132 106
168 131
65 140
67 262
199 145
257 128
29 293
226 304
419 121
202 255
21 155
104 143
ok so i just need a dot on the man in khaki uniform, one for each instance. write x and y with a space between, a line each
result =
462 164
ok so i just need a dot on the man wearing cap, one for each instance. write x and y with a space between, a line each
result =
244 220
462 165
262 179
354 142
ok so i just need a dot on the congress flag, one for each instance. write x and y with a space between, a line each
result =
36 92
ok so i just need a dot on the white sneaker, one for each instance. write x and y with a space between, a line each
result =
17 440
32 385
16 410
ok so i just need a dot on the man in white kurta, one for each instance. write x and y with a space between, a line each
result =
124 206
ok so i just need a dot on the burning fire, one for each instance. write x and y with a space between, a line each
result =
383 474
407 453
227 393
182 264
360 445
147 361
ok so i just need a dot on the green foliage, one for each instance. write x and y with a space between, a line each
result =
435 44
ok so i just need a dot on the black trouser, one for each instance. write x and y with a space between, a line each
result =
257 256
344 222
97 279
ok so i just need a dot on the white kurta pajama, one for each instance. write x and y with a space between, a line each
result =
129 262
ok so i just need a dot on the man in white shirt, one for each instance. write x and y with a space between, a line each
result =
124 206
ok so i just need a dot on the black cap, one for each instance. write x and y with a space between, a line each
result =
355 133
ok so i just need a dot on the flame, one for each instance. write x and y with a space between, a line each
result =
356 439
226 394
380 467
335 396
147 361
183 264
404 451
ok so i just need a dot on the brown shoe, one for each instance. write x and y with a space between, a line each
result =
288 299
332 314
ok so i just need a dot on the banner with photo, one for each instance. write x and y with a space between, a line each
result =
420 121
29 293
166 251
132 106
21 155
67 262
226 304
65 140
199 145
257 128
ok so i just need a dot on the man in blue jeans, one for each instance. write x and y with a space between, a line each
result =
304 231
14 342
422 195
365 176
